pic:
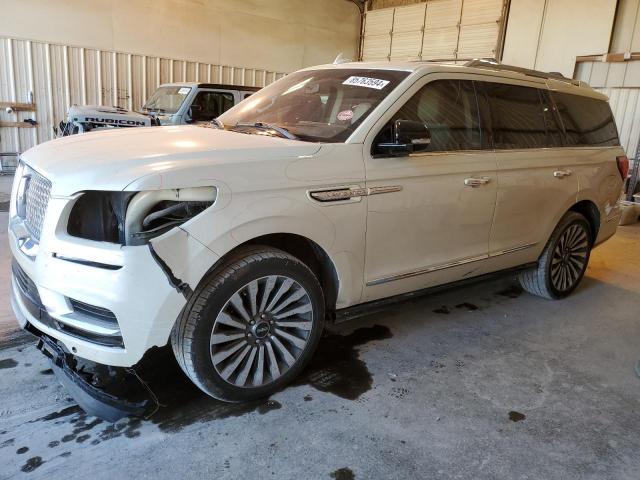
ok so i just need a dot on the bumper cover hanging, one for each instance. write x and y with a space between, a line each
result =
91 398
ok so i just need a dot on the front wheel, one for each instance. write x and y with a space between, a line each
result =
563 261
251 327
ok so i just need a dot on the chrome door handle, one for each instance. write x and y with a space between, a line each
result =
562 173
476 182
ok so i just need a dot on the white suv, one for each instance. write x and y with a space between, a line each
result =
335 186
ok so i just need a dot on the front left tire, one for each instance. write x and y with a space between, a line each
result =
250 327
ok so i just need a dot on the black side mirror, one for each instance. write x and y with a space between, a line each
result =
408 137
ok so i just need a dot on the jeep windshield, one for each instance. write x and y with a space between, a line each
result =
314 105
166 100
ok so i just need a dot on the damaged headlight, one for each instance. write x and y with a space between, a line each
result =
133 218
99 216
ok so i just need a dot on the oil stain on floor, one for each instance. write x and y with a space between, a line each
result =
8 363
336 368
342 474
516 416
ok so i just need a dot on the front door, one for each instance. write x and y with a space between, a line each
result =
429 214
210 104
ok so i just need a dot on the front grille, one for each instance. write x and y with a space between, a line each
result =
37 195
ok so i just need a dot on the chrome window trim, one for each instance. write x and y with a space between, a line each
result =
422 271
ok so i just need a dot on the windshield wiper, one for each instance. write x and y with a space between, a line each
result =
283 132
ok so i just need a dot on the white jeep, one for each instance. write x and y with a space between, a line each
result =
171 104
335 186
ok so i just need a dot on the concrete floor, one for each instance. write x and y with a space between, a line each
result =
481 382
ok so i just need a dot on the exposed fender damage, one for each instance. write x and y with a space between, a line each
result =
180 286
182 259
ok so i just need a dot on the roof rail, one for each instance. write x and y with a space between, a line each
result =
501 67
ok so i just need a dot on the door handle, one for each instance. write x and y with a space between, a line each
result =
562 173
476 182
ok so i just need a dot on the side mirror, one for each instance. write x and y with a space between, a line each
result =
408 137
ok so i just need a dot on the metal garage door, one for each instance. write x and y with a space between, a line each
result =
435 30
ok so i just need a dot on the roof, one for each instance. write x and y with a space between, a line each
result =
211 85
553 81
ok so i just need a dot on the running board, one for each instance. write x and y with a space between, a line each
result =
351 313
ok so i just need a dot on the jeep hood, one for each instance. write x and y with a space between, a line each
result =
112 160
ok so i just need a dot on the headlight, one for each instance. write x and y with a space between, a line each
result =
99 216
133 218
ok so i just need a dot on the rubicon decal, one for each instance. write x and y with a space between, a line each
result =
113 121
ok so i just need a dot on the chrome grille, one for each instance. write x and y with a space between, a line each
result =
37 195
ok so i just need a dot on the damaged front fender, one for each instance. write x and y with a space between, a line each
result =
182 259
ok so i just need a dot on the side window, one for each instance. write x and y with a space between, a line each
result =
518 117
551 121
449 109
587 121
209 105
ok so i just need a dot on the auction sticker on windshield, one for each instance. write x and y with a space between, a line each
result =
368 82
183 91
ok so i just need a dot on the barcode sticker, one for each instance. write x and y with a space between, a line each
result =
367 82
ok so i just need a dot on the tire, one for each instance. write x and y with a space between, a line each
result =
563 261
232 359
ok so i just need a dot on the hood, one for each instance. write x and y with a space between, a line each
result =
96 113
111 160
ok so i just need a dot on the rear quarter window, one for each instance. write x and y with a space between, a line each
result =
587 121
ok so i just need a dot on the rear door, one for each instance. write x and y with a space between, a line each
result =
536 178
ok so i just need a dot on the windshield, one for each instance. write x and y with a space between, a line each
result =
316 105
166 99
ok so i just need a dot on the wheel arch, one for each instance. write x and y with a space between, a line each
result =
590 211
306 250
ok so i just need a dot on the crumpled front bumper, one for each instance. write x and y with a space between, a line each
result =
141 287
92 399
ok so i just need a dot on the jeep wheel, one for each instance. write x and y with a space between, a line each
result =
251 327
563 261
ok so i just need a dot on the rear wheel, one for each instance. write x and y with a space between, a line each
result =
563 261
251 327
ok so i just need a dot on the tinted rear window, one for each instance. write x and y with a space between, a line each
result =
587 121
521 117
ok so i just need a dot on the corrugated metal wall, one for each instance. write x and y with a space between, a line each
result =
620 81
436 29
625 104
55 77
